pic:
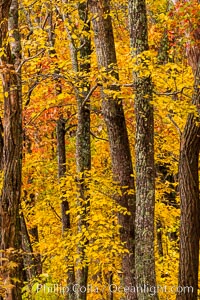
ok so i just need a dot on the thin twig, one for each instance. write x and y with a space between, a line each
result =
29 58
89 94
45 21
55 212
96 137
46 108
175 124
171 93
128 85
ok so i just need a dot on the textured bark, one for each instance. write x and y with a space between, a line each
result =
189 182
12 151
113 113
62 170
81 64
31 261
83 151
144 149
64 204
1 145
190 202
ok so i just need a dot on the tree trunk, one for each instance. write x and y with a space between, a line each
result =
83 153
62 170
12 152
64 204
117 132
190 202
32 261
61 152
1 145
189 182
145 170
159 237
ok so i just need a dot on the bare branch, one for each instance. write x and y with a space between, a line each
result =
175 124
171 93
54 211
89 94
96 137
29 58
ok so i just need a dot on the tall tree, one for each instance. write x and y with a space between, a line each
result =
80 58
83 151
61 153
190 203
12 151
64 204
189 180
112 109
144 151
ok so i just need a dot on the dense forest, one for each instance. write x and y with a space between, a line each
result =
99 149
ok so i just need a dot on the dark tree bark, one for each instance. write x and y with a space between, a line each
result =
61 153
189 181
12 151
32 261
190 202
145 171
113 113
83 151
64 204
62 170
60 129
32 266
159 237
1 145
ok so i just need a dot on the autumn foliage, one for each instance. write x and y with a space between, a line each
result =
50 85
